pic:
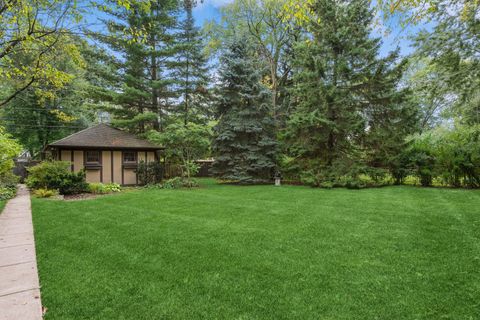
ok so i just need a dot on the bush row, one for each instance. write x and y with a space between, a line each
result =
56 175
441 157
50 178
8 185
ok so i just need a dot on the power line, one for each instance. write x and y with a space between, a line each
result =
42 126
21 121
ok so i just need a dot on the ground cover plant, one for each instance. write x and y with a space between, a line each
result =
261 252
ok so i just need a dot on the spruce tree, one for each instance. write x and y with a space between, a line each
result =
244 144
343 92
142 48
191 70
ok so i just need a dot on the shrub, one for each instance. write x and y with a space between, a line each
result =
45 193
149 173
354 176
8 180
8 185
56 175
178 182
100 188
7 192
447 155
9 149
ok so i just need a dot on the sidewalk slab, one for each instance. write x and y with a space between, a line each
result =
17 254
23 305
16 239
19 285
17 278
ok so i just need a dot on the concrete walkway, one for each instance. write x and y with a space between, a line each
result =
19 286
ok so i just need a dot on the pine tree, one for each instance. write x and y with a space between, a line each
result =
142 46
342 88
244 144
191 70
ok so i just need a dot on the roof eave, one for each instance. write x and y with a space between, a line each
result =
104 147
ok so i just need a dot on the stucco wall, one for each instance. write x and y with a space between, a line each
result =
107 166
124 176
93 175
66 155
151 156
117 167
77 160
141 156
129 177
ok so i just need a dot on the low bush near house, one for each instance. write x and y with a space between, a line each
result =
7 193
56 175
100 188
8 179
45 193
8 185
175 183
149 173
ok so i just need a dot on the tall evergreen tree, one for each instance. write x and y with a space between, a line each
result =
191 70
244 144
341 90
143 48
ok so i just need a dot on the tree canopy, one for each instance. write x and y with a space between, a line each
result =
304 89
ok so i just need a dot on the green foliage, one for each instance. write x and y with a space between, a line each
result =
150 172
347 176
104 188
8 179
44 193
269 26
449 52
7 192
449 154
9 149
184 144
175 183
33 32
349 112
179 182
190 71
8 185
56 175
138 71
244 144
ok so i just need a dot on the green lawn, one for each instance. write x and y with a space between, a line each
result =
229 252
2 205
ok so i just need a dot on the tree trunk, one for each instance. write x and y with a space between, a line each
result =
154 72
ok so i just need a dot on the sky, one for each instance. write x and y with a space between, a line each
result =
392 36
397 36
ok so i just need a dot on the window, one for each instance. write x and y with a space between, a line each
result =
92 157
129 157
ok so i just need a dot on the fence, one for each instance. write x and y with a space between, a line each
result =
174 170
21 166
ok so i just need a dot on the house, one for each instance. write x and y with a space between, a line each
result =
107 154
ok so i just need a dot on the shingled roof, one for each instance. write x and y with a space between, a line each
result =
104 136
